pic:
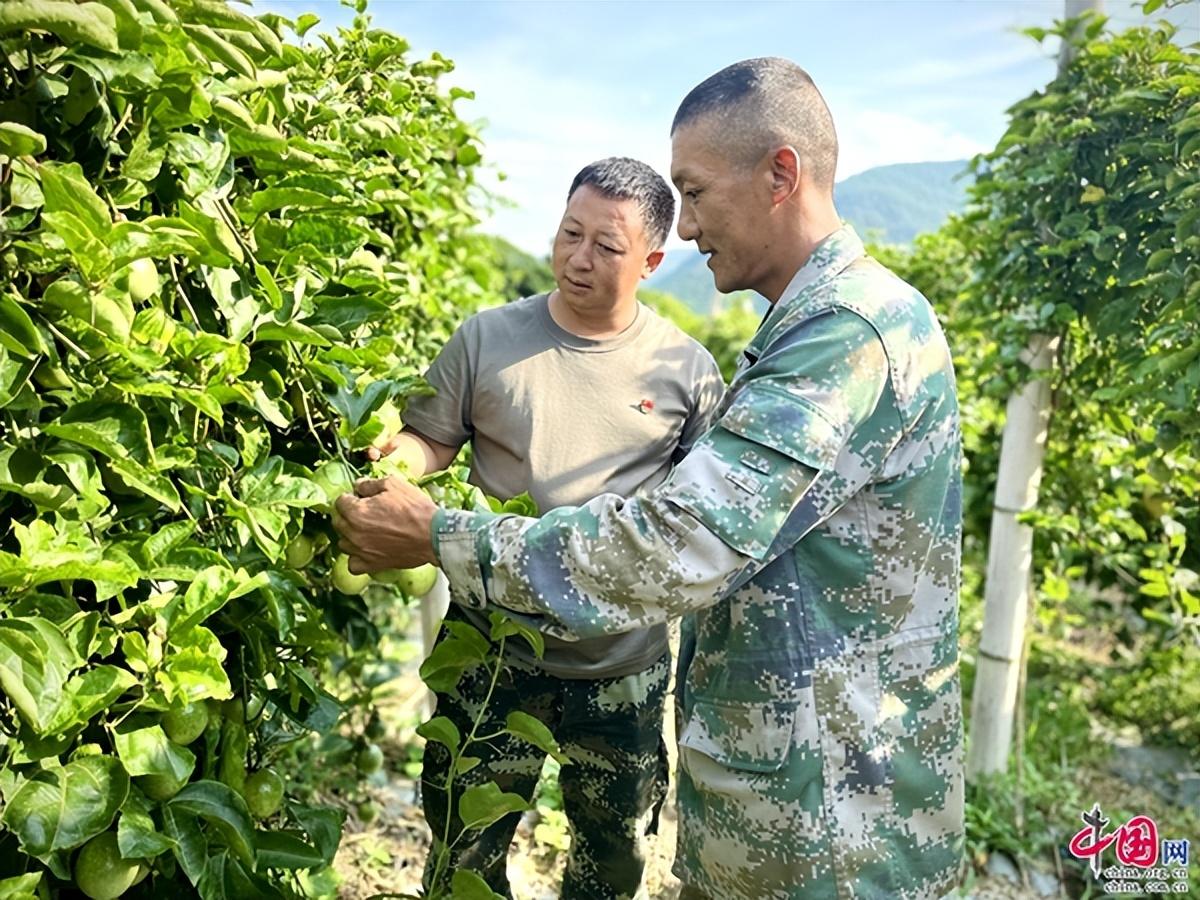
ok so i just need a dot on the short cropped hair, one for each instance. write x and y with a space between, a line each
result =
622 178
761 103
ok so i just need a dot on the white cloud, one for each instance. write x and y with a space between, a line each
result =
872 137
540 132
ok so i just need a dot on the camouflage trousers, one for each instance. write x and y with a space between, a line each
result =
610 729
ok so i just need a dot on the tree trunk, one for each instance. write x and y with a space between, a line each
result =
1008 592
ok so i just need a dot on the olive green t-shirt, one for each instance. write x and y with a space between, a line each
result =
567 418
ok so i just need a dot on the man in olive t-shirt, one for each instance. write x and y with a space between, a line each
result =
569 395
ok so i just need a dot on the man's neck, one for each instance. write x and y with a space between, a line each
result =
809 232
596 324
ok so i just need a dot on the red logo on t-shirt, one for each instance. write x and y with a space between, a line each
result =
644 406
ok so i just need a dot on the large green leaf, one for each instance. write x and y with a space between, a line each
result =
527 728
484 804
467 885
194 668
61 807
49 555
286 850
323 824
83 23
211 590
225 809
148 751
18 334
67 189
191 847
34 662
87 694
137 836
452 656
442 730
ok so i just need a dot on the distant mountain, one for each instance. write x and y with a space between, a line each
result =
893 204
887 204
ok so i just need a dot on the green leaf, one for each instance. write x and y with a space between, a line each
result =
191 847
20 887
506 626
225 810
484 804
137 836
527 728
444 666
17 330
148 751
194 670
212 589
88 694
1159 259
61 807
18 140
84 23
442 730
323 825
33 667
286 850
68 190
467 885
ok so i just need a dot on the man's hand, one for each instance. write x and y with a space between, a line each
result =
387 448
386 526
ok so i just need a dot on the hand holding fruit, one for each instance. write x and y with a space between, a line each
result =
386 526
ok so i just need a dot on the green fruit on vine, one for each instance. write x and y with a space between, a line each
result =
160 787
143 279
369 759
264 793
415 582
237 710
375 728
300 552
100 872
185 725
344 580
368 811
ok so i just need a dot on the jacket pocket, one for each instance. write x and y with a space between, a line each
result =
751 737
743 478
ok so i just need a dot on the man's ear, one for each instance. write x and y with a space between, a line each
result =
785 173
652 263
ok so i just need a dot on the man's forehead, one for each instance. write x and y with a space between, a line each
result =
691 151
614 214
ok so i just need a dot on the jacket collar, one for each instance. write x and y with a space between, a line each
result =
829 259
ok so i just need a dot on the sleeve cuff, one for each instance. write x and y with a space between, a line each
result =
456 546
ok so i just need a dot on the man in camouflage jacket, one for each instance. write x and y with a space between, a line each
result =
810 539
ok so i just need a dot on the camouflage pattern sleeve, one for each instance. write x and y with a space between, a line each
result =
617 564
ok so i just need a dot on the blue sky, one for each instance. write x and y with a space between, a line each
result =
560 84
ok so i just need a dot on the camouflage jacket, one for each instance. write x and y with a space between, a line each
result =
820 754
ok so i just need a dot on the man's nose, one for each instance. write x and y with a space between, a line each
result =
581 256
687 225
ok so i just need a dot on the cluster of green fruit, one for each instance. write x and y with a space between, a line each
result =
101 872
110 311
335 478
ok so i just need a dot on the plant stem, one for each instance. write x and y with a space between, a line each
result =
447 845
